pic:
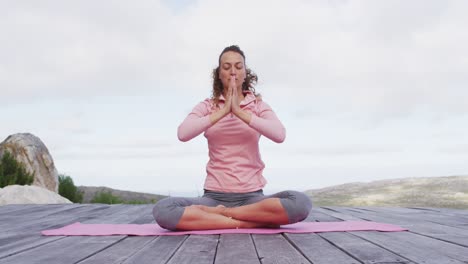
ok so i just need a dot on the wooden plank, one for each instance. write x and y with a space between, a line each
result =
236 249
276 249
122 214
416 252
461 240
13 207
159 250
146 215
363 257
417 248
20 238
119 252
53 220
338 247
449 211
420 222
460 214
17 243
322 217
200 249
319 250
424 250
67 250
425 215
446 233
39 211
78 248
422 215
311 216
20 209
362 250
415 224
338 215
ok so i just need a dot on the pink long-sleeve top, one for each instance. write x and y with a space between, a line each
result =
235 164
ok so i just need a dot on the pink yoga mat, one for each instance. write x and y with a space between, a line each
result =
79 229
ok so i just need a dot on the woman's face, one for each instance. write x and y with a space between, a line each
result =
232 66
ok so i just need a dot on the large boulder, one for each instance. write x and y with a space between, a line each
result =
18 194
29 150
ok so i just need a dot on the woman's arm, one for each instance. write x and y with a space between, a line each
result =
198 121
267 123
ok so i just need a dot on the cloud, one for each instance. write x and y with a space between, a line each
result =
71 49
358 84
383 59
458 149
343 150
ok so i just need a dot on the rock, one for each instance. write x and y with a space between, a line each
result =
18 194
29 150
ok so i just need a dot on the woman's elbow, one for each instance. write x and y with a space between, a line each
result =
280 137
184 137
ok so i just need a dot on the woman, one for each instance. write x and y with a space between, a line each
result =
232 121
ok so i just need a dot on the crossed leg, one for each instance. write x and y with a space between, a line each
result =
265 213
178 213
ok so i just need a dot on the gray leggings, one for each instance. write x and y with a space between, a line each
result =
168 211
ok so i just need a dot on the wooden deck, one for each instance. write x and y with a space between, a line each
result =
436 236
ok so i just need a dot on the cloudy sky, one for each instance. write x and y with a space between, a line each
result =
367 90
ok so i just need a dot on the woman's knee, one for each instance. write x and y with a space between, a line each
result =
296 204
167 213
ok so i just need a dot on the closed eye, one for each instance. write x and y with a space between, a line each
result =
239 66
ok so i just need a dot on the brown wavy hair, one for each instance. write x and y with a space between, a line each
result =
248 84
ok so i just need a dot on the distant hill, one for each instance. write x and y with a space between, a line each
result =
449 192
89 192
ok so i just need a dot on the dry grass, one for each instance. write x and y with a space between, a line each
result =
449 192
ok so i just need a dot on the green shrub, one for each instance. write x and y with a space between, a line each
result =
68 189
13 172
106 198
135 202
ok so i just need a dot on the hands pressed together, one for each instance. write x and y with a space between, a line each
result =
232 102
231 105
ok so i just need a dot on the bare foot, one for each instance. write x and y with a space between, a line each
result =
221 210
246 224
